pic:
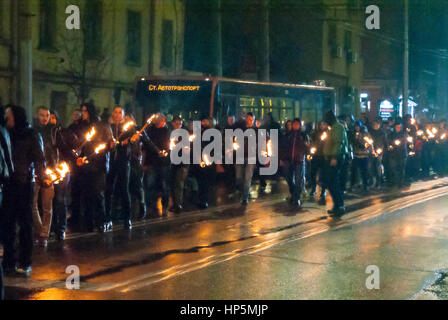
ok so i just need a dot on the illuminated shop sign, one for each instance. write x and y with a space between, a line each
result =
159 87
386 109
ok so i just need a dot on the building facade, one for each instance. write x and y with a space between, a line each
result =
118 40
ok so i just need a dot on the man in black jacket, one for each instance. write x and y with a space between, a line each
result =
93 171
42 192
28 159
398 153
119 171
64 141
296 146
6 170
156 145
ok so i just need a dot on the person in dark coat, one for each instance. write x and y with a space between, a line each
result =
205 173
317 162
119 170
295 146
63 140
29 161
156 147
398 153
93 171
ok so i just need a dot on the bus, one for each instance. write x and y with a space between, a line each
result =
191 97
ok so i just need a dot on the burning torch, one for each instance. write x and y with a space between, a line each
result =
60 172
148 122
88 137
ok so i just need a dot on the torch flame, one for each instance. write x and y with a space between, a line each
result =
269 148
151 118
90 134
379 151
420 133
397 142
324 135
205 161
368 140
192 137
172 144
443 136
128 125
51 174
63 169
410 140
313 150
100 148
235 145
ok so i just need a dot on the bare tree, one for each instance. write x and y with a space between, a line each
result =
84 69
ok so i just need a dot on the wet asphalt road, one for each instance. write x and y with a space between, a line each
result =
264 252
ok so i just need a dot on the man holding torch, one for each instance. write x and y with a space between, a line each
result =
156 146
119 169
42 190
93 161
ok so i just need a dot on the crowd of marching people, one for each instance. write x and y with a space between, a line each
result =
49 172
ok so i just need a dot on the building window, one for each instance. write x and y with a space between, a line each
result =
93 27
347 40
167 44
47 24
332 35
134 38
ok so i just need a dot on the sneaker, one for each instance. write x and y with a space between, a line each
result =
24 271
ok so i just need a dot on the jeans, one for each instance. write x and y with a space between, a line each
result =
156 182
180 174
376 170
18 211
42 222
316 166
118 177
205 180
294 175
363 165
397 170
332 176
93 188
60 206
243 177
76 192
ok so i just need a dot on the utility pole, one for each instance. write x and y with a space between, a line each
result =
406 59
217 21
265 47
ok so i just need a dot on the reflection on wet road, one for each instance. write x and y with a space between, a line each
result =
263 252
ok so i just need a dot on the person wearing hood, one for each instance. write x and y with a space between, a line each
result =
29 161
120 165
44 194
335 150
94 169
